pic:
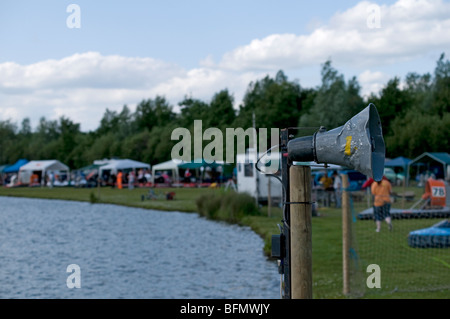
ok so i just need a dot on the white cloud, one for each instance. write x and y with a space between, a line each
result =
408 28
372 82
86 70
82 86
202 83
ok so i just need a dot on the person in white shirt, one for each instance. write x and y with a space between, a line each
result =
337 185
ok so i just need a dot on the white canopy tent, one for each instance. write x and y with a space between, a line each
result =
41 168
114 165
171 165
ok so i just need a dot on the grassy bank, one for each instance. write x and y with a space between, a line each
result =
184 198
327 236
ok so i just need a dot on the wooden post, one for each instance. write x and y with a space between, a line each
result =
346 237
404 194
300 232
269 198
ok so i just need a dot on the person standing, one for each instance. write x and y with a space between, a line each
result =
187 176
52 179
382 191
337 185
327 185
131 180
119 179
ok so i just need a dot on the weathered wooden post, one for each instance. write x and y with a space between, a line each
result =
346 234
300 232
269 198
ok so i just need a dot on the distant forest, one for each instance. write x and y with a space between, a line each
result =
415 118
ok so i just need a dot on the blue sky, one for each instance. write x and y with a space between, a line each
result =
126 51
183 32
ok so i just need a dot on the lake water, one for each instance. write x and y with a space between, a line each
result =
126 253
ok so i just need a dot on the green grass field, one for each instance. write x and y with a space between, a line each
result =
406 272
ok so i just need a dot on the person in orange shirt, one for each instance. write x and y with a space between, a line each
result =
119 179
382 191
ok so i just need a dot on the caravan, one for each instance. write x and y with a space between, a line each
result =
259 185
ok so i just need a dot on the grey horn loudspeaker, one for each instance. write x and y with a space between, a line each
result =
358 144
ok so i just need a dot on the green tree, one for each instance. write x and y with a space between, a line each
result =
83 142
137 146
221 112
392 102
25 129
151 113
104 146
415 133
44 144
7 139
192 109
159 144
68 140
125 123
47 129
108 123
441 87
276 103
334 102
419 89
121 124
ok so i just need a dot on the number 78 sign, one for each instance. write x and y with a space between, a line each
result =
438 191
435 191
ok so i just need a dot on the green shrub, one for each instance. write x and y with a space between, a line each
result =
208 205
93 199
227 206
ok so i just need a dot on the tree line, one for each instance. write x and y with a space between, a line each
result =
415 117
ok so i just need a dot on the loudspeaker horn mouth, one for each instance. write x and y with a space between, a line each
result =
358 144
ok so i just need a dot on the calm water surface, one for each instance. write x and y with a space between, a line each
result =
127 253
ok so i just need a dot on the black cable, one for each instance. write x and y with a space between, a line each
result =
259 170
282 184
279 179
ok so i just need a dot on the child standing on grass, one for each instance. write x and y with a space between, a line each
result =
382 191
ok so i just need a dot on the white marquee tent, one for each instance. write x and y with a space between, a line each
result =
171 165
41 168
114 165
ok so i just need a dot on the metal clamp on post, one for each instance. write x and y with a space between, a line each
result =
306 203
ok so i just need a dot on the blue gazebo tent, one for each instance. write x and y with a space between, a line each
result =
442 159
14 168
398 162
226 169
